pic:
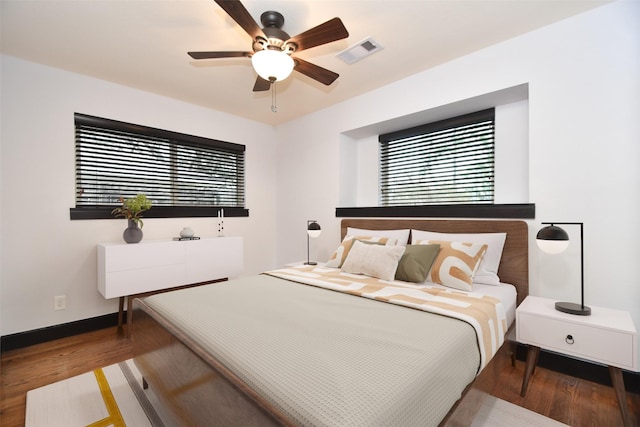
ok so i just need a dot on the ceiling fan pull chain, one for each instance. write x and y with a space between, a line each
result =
274 107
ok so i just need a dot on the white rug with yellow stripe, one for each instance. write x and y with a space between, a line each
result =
110 396
113 396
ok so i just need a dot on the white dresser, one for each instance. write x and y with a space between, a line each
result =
125 270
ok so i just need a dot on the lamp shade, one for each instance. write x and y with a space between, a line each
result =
272 65
313 229
552 239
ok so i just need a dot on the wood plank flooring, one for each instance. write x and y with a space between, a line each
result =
32 367
573 401
569 400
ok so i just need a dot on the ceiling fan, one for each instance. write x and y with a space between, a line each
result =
272 48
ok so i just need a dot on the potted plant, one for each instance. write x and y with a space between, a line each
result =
132 209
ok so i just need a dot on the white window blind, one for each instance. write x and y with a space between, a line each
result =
445 162
115 159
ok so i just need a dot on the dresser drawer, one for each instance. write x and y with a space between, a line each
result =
144 255
590 342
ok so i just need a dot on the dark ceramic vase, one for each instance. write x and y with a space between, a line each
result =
133 233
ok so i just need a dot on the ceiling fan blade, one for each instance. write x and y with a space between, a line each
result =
316 72
261 85
241 15
210 55
328 32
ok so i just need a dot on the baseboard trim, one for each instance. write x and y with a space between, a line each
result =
580 369
50 333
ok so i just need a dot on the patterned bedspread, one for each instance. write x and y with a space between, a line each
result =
484 313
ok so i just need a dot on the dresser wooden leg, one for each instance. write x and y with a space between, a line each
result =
618 386
532 360
120 312
129 314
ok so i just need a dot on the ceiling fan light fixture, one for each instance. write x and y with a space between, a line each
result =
272 65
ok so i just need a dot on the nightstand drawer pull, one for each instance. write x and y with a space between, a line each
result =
569 339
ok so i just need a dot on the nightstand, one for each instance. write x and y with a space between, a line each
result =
606 336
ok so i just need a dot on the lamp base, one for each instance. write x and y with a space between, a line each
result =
310 263
573 308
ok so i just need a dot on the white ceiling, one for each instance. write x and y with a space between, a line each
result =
143 43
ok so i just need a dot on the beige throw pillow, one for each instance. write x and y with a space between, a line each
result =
340 254
373 260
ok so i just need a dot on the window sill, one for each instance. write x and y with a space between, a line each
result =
160 212
519 211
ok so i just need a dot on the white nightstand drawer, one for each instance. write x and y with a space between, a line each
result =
598 344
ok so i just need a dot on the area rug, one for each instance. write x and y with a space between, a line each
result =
113 396
110 396
499 413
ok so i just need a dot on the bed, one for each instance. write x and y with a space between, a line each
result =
270 350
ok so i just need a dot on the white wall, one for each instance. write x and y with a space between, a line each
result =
582 160
44 253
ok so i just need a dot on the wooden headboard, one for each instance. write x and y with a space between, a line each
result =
514 265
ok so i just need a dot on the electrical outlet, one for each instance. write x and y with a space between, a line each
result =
60 302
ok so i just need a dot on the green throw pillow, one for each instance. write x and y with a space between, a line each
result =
416 262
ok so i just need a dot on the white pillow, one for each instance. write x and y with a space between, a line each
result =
373 260
401 235
487 272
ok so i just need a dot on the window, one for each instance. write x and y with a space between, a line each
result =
445 162
116 159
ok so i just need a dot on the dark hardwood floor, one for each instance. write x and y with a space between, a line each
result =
570 400
575 402
31 367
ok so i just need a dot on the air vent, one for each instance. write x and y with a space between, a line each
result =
359 50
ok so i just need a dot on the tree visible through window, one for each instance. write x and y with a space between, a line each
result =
115 159
445 162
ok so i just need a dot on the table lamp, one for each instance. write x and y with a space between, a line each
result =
553 239
313 231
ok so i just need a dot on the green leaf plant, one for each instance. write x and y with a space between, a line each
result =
133 208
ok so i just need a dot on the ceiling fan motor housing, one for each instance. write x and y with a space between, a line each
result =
272 19
273 22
